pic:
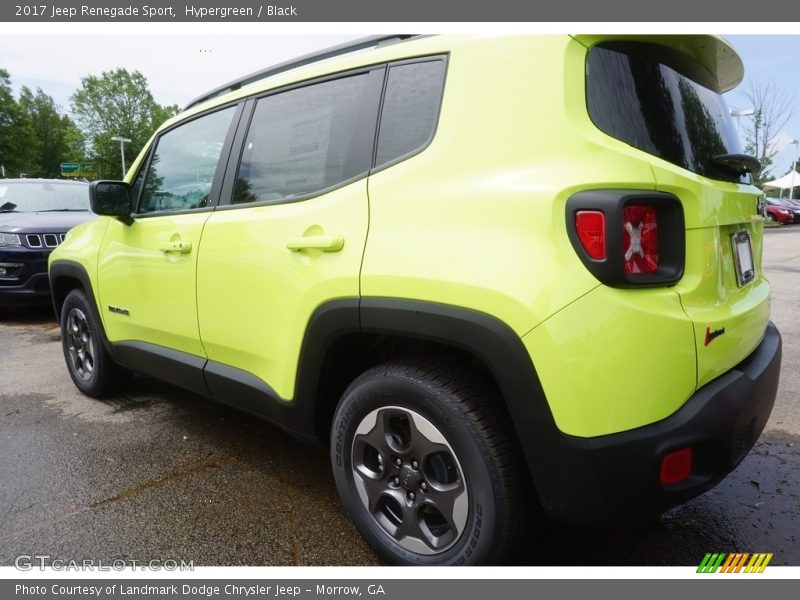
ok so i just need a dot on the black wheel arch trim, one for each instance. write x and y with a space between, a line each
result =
67 269
567 472
497 346
487 338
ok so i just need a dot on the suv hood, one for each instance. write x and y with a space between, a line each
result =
42 222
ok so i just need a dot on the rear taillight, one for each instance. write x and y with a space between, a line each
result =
676 466
591 228
640 239
628 238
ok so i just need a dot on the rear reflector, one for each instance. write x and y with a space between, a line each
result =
591 228
640 239
676 466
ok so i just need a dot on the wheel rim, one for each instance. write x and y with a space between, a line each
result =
79 344
409 480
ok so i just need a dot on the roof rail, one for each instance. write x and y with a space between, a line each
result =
307 59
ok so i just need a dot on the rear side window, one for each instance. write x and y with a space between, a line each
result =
303 141
410 109
634 96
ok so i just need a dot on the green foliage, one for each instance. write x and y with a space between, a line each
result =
36 136
15 132
54 137
117 103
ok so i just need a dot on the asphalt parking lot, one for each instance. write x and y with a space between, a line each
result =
161 474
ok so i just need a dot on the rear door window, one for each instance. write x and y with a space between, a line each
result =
303 141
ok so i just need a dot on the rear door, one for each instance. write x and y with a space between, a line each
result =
292 230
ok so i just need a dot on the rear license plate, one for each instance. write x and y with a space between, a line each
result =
743 257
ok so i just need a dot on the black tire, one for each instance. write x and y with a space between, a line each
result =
484 523
92 369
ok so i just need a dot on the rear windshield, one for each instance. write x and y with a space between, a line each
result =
645 96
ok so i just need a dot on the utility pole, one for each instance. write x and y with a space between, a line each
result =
738 114
794 166
122 141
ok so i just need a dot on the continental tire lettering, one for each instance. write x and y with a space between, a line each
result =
476 531
340 443
340 434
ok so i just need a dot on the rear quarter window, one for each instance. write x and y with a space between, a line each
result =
410 109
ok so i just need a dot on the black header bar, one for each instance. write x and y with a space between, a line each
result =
468 11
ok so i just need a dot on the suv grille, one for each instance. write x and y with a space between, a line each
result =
44 240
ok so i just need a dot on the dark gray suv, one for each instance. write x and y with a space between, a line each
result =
35 215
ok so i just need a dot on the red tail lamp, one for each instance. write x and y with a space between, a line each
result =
676 466
591 228
640 239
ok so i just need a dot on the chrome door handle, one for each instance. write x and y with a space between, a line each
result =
326 243
181 247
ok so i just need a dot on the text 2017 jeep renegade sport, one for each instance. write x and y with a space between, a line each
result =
488 272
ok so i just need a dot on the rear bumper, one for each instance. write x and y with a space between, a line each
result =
610 480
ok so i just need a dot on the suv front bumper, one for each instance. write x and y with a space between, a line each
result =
26 285
614 479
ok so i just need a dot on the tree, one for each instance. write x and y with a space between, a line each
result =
15 133
773 108
55 138
117 103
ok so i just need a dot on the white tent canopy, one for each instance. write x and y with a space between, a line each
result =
782 183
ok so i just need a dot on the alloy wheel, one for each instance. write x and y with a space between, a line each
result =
79 344
409 479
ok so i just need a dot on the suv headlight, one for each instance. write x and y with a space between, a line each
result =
9 239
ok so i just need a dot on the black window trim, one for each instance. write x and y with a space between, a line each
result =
445 57
219 172
234 161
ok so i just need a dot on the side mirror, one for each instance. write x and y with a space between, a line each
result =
111 199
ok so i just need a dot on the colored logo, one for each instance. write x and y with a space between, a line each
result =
735 562
712 335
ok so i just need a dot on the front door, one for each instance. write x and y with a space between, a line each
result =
147 269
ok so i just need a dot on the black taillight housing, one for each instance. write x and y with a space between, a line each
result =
644 237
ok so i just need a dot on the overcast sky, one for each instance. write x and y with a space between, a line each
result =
178 68
181 67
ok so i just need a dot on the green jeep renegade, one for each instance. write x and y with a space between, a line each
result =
490 273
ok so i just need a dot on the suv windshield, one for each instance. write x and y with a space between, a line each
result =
636 97
40 196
